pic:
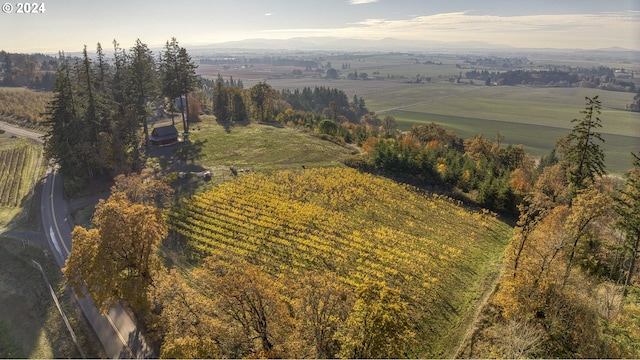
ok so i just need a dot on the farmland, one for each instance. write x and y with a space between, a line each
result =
20 167
23 107
533 116
437 253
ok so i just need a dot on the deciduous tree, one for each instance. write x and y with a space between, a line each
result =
116 259
323 304
378 326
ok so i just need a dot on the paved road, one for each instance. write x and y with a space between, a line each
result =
117 332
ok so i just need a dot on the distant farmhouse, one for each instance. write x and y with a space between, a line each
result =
164 135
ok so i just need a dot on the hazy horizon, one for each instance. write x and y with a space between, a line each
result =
70 25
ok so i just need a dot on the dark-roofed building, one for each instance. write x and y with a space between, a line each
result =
164 135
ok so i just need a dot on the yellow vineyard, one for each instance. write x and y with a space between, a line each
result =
358 226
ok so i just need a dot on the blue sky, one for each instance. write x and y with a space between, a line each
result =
69 25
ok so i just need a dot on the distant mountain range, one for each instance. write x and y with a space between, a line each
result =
332 43
387 44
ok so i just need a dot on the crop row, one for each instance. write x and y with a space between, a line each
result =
287 233
18 169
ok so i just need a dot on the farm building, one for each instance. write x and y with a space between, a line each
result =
164 135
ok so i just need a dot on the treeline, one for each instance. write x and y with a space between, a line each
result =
35 71
99 113
306 108
429 155
603 78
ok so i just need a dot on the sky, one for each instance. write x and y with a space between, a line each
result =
70 24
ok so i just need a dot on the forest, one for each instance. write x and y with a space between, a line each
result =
195 270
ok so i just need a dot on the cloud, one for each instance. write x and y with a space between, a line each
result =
587 31
269 14
360 2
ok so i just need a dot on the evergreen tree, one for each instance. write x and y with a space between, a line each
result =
628 207
238 108
221 101
582 154
169 73
64 135
187 81
141 82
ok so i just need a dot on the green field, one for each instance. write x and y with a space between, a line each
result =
533 116
440 255
264 147
30 324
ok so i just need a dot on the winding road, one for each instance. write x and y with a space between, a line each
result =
116 330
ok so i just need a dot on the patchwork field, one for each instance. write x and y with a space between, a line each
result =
438 254
533 116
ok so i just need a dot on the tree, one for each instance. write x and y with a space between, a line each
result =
64 136
378 326
328 127
141 82
169 76
588 206
187 81
116 260
389 125
628 208
221 102
332 73
188 324
261 95
322 305
238 108
582 154
250 299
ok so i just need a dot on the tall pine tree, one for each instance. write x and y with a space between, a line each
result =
583 155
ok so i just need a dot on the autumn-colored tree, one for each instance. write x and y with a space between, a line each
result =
322 305
378 326
371 121
249 299
389 125
116 260
524 293
478 147
142 189
185 319
588 207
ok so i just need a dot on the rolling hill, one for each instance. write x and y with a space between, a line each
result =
436 252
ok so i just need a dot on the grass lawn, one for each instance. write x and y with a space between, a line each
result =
30 324
264 147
